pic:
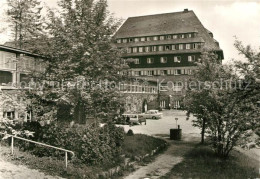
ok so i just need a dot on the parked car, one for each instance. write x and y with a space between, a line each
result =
133 119
151 114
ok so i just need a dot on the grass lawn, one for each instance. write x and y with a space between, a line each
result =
201 163
140 144
135 145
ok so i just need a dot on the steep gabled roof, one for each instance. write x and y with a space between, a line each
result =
169 23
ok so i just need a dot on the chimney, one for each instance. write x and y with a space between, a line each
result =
186 10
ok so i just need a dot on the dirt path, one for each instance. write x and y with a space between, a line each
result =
164 162
11 171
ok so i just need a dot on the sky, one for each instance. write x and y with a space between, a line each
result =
227 19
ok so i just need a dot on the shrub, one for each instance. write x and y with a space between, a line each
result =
130 132
91 144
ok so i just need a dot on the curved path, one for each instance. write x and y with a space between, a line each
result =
165 162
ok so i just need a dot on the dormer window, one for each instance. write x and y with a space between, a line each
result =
173 47
174 36
142 39
180 46
155 38
182 36
189 35
140 49
150 60
161 37
131 39
124 40
160 48
118 41
168 36
148 38
177 59
134 49
154 49
129 50
163 59
136 39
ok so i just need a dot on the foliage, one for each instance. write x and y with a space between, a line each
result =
130 132
26 20
91 144
140 145
201 162
223 106
81 61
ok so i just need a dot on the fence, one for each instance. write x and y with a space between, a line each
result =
39 143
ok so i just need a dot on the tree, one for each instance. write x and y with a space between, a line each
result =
25 19
81 60
224 103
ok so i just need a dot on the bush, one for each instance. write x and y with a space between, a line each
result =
91 144
130 132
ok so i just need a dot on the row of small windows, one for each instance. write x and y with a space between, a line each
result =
128 88
161 72
156 48
176 59
157 37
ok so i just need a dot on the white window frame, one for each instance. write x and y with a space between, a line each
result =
147 49
163 59
188 46
155 37
154 48
140 49
118 41
173 47
162 37
136 39
142 39
160 48
169 47
175 36
150 60
180 46
134 49
137 61
124 40
177 59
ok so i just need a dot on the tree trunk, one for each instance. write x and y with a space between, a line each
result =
203 130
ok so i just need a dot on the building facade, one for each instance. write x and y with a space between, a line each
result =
15 68
164 49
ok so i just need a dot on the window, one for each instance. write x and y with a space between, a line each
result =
136 39
173 47
188 46
148 38
154 48
189 36
137 73
137 61
163 59
177 59
124 40
150 60
167 47
129 50
161 37
160 48
191 58
177 72
131 40
134 49
142 39
182 36
150 72
140 49
147 49
118 41
155 38
180 46
168 36
162 72
174 36
194 46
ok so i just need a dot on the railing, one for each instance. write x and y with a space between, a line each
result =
39 143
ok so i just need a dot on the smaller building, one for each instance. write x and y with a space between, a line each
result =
16 65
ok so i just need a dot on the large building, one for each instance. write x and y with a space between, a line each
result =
16 65
163 48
